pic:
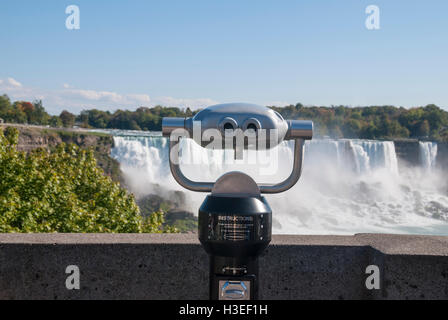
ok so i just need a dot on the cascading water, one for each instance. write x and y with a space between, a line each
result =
428 154
360 156
143 160
347 186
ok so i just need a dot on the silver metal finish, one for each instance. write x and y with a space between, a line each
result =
227 122
251 122
231 120
264 188
241 115
236 184
171 124
234 290
296 172
181 178
299 129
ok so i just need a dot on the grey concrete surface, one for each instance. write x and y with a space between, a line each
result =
131 266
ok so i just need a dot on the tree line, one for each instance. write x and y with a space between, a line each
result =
370 122
373 122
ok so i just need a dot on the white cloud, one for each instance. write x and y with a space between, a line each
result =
143 98
94 95
10 83
108 97
76 100
184 103
13 82
15 90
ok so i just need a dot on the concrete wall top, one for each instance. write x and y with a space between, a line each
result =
175 266
386 243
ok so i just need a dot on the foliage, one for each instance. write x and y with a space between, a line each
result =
174 216
64 191
23 112
147 119
185 223
67 119
373 122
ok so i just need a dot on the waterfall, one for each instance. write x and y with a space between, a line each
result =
360 156
347 185
144 159
149 155
428 154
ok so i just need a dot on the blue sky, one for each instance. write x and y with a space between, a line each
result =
195 53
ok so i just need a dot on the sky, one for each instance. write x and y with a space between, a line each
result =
197 53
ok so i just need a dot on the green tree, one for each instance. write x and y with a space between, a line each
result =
17 114
39 115
67 118
352 128
336 132
63 191
423 129
55 122
5 105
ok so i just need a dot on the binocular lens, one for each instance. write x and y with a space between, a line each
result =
228 126
252 127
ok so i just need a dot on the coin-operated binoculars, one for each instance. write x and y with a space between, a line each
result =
235 221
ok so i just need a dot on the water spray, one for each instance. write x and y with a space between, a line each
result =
235 220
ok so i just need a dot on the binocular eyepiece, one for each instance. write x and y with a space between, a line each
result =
253 125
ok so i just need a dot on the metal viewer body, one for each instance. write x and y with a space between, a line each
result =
235 220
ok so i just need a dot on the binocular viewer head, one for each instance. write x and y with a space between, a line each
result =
249 122
237 126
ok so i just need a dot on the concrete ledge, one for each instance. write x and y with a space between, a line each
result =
131 266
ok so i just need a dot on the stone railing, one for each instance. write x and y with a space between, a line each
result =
129 266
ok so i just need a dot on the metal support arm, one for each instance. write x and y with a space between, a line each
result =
264 188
